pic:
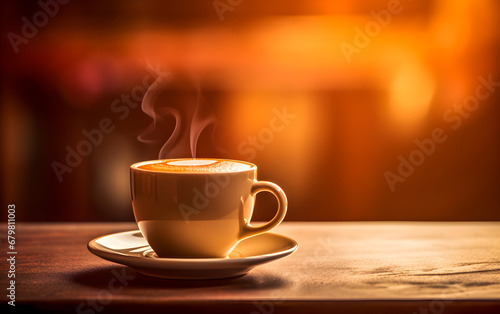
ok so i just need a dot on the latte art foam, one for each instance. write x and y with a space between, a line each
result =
196 165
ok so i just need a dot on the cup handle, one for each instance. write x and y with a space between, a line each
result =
260 186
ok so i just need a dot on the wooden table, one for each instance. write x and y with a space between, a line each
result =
340 267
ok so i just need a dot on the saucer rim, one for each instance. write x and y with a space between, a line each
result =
93 246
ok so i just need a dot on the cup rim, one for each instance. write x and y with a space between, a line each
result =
136 166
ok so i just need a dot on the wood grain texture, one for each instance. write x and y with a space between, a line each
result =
397 267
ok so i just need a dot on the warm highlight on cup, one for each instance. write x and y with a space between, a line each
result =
198 208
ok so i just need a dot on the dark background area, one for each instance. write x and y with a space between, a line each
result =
353 116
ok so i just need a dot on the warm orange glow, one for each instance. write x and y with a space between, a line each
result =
411 93
355 114
113 174
283 127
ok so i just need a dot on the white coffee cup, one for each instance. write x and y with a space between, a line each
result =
198 208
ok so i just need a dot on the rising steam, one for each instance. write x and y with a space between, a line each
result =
171 104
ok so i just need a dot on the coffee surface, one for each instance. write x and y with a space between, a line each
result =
196 165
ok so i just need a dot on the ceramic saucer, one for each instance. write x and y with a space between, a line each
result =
131 249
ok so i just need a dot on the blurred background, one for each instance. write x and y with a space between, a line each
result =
360 110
